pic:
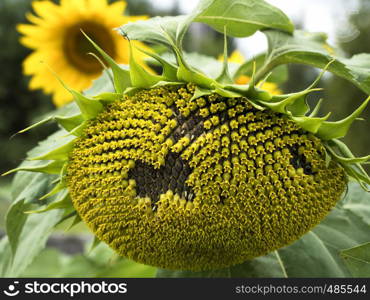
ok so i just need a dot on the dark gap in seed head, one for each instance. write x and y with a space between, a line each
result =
299 161
152 182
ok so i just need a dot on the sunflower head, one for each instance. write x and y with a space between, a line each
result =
187 171
56 40
180 182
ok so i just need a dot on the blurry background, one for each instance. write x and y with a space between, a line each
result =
346 21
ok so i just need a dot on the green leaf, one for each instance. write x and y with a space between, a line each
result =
101 85
55 147
316 254
351 164
30 187
187 74
348 160
346 152
208 65
5 256
121 76
108 97
40 123
62 201
358 260
278 75
68 110
312 49
158 30
241 18
68 116
60 153
140 77
225 76
357 202
338 129
310 124
49 167
56 139
316 109
70 122
102 262
15 220
169 69
32 239
27 189
27 232
89 107
78 131
282 103
57 188
199 92
95 243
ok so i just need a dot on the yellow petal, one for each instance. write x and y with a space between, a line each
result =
96 4
117 7
33 63
243 79
237 57
271 88
61 96
33 19
29 29
46 9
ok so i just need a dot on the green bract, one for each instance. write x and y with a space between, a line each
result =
183 170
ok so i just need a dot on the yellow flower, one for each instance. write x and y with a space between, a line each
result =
238 58
57 41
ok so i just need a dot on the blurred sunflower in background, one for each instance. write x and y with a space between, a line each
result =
238 58
56 38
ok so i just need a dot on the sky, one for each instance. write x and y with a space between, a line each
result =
315 15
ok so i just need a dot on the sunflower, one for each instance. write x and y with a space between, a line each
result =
56 38
184 171
238 58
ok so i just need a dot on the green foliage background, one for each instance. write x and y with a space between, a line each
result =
20 107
